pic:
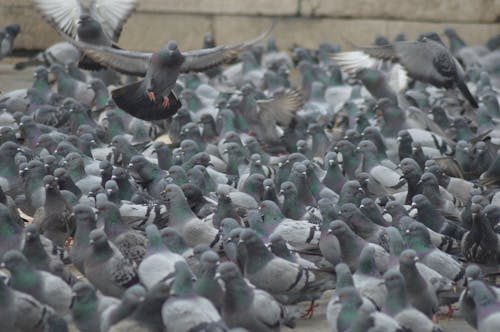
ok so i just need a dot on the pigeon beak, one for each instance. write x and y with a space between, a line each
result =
2 265
407 231
113 177
361 206
329 231
217 276
226 151
109 191
304 173
415 259
281 192
399 139
331 162
130 165
413 205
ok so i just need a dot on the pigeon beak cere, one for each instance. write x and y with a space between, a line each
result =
130 165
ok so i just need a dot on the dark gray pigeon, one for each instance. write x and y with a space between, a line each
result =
426 59
153 98
108 270
7 36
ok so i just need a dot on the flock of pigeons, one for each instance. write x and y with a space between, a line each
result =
363 176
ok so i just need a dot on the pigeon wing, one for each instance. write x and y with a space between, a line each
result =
112 14
62 14
203 59
281 108
125 62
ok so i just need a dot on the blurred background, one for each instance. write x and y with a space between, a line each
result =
302 22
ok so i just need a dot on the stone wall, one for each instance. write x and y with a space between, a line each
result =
304 22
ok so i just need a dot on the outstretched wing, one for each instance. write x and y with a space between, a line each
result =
281 108
126 62
62 14
203 59
112 15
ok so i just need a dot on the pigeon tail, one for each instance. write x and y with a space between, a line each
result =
133 100
465 91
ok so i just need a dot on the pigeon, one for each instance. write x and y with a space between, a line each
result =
128 304
154 95
344 280
147 316
88 306
277 275
43 286
245 307
197 312
131 243
7 37
56 223
108 270
350 320
420 295
351 246
100 25
11 237
368 280
486 302
181 218
443 70
398 306
158 262
417 238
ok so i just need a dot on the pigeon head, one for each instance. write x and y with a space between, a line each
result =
208 40
83 291
98 239
350 296
367 204
394 208
366 146
228 271
83 212
428 179
338 227
50 183
288 188
409 167
348 210
173 193
9 150
134 295
229 224
173 240
41 73
32 232
408 257
270 210
472 272
417 232
420 201
169 55
73 161
183 282
430 36
119 174
481 293
393 279
13 29
209 258
12 260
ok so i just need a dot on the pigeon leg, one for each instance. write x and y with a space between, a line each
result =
151 96
165 102
310 311
435 319
450 311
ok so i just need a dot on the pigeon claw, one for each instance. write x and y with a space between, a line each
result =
310 311
151 96
165 102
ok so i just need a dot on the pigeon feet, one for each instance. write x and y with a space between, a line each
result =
165 102
310 311
151 96
450 311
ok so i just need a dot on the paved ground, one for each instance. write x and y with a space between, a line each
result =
11 79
